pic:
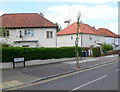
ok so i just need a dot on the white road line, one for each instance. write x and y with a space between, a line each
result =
89 82
117 70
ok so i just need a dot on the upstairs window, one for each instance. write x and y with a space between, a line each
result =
71 37
6 34
90 37
29 33
49 34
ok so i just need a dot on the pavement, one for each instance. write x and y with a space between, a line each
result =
24 75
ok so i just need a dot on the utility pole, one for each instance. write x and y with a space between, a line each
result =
77 34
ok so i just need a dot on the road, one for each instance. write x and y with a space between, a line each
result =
104 77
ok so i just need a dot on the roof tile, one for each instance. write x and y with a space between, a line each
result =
107 32
25 20
84 28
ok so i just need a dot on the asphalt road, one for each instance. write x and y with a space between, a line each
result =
98 78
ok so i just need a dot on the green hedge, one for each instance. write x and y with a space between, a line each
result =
96 51
9 53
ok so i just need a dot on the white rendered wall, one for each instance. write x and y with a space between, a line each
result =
65 40
39 34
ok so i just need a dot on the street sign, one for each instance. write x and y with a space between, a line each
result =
17 60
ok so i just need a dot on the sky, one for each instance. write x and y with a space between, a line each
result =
96 13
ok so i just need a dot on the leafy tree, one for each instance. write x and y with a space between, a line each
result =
106 47
4 33
59 27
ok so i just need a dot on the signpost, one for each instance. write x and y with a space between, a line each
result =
17 60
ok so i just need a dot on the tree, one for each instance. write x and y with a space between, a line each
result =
76 42
106 47
59 27
4 33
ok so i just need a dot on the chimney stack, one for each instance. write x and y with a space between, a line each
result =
42 14
67 23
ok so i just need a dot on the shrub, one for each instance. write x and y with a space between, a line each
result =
106 47
9 53
96 51
5 45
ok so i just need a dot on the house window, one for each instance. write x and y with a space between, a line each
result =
71 37
25 45
90 37
49 34
5 33
29 33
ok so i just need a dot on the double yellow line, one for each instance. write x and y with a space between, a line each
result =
62 76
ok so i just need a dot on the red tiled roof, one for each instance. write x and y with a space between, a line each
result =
25 20
107 32
118 36
84 28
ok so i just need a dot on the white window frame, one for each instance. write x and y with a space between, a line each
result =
90 37
6 33
28 33
71 37
49 34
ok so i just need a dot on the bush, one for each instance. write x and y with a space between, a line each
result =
106 47
9 53
5 45
96 51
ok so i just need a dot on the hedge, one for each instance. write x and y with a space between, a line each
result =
9 53
96 52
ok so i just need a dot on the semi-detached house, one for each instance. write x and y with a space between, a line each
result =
28 30
90 36
110 37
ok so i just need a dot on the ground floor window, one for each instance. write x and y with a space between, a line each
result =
49 34
29 33
25 45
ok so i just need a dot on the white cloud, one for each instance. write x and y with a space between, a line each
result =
98 13
2 12
102 12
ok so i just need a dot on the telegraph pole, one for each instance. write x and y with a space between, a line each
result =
76 42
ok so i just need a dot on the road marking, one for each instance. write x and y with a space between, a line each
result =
117 70
62 76
10 84
89 82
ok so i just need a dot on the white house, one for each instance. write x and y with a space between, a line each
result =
110 37
28 30
90 36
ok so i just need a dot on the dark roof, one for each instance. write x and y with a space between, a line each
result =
25 20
